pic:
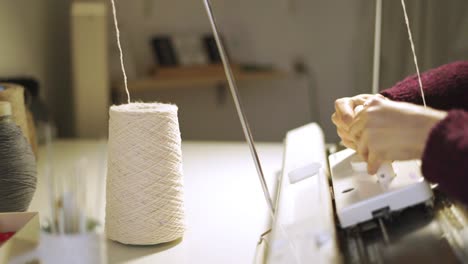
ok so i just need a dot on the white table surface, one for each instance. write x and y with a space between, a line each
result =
225 208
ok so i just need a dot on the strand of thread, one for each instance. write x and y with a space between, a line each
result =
17 169
410 36
144 182
117 36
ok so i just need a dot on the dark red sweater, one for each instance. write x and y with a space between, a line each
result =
445 158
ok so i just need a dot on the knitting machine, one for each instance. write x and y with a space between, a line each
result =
332 211
339 214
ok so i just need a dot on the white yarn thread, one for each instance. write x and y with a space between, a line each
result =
117 36
377 47
415 58
144 181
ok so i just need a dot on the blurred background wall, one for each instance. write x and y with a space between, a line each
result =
333 39
35 42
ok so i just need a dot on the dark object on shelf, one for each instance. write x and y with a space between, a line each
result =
31 96
212 49
164 51
30 85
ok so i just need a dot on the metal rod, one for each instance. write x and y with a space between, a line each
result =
384 231
377 47
239 108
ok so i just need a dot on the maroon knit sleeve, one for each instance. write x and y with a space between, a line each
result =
445 158
445 87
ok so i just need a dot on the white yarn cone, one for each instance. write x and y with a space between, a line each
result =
144 181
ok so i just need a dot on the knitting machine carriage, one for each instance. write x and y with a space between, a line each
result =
349 217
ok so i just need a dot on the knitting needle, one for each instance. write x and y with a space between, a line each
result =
383 229
239 108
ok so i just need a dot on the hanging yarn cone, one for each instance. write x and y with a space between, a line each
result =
144 199
17 165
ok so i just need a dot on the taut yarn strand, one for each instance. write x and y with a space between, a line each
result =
117 37
144 181
415 58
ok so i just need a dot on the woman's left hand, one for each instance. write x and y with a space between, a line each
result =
388 130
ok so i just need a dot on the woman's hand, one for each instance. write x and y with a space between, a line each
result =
386 130
344 116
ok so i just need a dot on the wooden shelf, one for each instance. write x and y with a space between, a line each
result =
196 77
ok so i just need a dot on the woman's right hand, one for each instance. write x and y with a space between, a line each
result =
344 116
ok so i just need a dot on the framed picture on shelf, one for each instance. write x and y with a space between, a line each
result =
185 50
164 51
189 48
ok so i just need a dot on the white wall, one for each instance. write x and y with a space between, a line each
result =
24 38
333 37
34 42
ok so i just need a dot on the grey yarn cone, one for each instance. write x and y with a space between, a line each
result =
17 169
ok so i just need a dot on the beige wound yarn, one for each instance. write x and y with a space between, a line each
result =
15 95
144 199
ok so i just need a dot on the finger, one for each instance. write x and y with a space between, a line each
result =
375 100
382 97
349 144
373 163
335 120
338 122
356 128
345 110
344 134
363 147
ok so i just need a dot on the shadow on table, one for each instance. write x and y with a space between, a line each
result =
119 253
